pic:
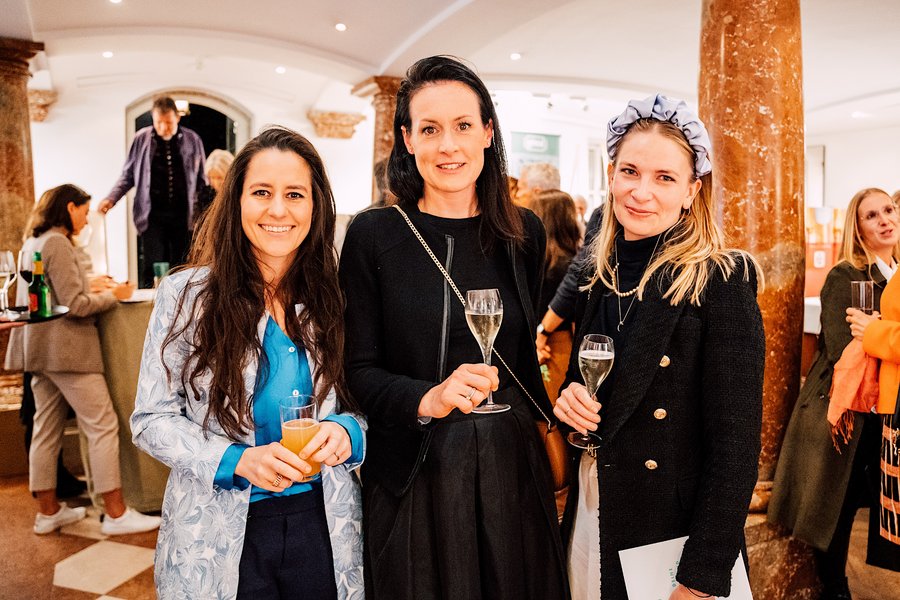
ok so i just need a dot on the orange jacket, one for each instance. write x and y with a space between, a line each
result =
882 340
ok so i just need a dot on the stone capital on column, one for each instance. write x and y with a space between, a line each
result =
15 54
383 90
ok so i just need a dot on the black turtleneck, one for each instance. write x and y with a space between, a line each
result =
632 259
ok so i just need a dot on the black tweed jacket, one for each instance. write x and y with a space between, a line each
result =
681 429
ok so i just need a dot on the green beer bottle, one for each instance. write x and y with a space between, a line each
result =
39 291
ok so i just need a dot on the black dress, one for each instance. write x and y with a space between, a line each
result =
472 516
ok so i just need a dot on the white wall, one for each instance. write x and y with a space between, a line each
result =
859 159
83 142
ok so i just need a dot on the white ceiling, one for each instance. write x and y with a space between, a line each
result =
604 50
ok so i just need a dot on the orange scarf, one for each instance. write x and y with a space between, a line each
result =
854 387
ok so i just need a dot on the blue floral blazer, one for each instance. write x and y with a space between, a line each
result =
202 533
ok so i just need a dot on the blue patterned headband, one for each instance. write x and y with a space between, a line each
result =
663 109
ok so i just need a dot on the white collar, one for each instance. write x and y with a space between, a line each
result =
887 271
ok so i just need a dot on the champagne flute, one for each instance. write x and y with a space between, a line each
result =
484 313
595 359
7 277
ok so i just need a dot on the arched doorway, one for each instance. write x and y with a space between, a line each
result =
220 122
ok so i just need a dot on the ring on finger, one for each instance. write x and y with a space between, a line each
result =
472 393
337 457
278 478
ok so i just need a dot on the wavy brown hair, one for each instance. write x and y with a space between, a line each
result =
230 301
556 209
52 210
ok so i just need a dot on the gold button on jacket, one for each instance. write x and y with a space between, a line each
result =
660 413
651 464
665 361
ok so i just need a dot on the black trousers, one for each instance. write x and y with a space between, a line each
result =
287 551
163 241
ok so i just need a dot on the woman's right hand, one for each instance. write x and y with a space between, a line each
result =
123 291
467 387
576 408
262 465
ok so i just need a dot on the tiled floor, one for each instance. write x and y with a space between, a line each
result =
80 563
77 563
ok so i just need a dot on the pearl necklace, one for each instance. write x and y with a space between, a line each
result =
620 295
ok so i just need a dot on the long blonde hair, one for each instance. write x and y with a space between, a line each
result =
853 248
692 248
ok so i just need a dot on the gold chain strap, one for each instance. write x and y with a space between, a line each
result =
461 299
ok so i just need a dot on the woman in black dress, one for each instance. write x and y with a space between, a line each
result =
456 505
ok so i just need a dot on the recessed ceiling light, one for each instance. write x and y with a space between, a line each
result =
340 26
515 56
280 70
858 114
116 1
107 54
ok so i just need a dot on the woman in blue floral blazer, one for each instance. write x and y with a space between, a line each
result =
256 317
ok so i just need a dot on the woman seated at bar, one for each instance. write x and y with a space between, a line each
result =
253 320
819 487
458 505
679 431
64 358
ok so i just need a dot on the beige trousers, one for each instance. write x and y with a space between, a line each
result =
88 396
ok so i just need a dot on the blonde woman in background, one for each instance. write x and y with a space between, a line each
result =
818 488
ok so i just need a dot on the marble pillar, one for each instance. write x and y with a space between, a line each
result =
16 171
751 100
383 91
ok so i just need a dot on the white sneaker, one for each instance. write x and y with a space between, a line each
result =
64 516
131 521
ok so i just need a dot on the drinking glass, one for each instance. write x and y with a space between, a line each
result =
484 313
862 296
7 277
26 266
299 424
595 359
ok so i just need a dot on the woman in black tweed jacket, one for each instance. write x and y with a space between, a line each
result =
682 408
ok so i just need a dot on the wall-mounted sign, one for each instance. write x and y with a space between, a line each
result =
532 148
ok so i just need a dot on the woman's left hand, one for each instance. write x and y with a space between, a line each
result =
683 593
331 446
859 321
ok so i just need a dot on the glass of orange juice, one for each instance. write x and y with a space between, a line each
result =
299 423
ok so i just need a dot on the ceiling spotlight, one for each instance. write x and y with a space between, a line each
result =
107 54
549 105
340 27
515 56
116 1
858 114
280 70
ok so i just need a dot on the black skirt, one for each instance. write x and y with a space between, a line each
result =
479 521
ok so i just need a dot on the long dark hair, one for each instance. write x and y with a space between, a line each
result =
500 218
556 209
231 295
52 210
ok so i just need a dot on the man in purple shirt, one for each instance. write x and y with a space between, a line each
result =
165 166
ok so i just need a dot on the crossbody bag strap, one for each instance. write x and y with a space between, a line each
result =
463 300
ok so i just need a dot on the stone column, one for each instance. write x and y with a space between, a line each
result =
383 91
16 172
751 100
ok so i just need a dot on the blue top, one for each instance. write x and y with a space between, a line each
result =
288 374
